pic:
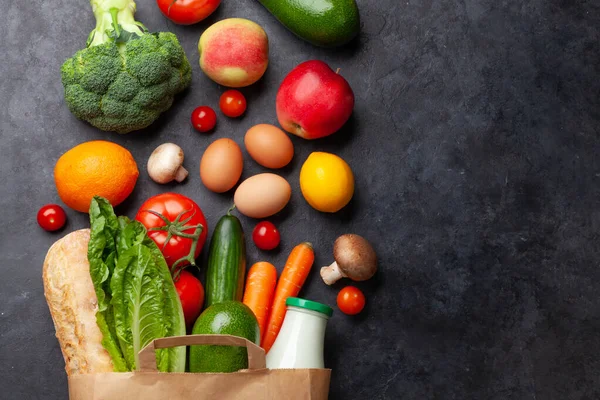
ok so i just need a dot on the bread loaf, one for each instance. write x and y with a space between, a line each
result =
73 304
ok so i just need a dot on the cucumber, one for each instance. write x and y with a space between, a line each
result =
325 23
226 262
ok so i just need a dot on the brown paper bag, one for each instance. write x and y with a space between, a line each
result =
257 382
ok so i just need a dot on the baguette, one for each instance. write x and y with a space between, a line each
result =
73 304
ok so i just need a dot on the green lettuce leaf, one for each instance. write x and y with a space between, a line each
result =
144 299
102 252
137 300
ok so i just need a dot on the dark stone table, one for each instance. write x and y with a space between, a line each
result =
475 146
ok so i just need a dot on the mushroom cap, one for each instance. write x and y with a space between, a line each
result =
164 162
355 256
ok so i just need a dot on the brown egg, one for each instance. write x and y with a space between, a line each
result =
221 165
262 195
269 146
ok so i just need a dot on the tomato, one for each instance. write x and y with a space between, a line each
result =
51 217
187 12
177 225
266 236
204 118
351 300
232 103
191 295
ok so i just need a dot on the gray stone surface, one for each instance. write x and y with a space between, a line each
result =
474 142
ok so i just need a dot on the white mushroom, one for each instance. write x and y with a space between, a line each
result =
354 258
164 164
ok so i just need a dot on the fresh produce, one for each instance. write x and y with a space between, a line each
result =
51 217
265 236
351 300
226 262
191 295
313 101
290 282
234 52
262 195
221 165
165 164
325 23
326 182
354 258
204 119
232 103
227 318
269 146
137 301
260 285
95 168
187 12
71 298
177 225
125 77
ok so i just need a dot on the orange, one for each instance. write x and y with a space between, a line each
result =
96 168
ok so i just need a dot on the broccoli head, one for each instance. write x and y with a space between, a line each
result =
125 77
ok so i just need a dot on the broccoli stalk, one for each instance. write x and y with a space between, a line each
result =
115 21
120 84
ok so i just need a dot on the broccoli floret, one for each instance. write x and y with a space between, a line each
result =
125 77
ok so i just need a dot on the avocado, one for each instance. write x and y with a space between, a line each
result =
227 318
325 23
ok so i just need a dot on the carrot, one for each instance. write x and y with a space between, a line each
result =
291 280
260 285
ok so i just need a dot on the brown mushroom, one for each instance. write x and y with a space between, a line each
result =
354 258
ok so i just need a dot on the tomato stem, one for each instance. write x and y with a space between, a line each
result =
177 227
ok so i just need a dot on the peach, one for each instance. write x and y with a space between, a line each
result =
234 52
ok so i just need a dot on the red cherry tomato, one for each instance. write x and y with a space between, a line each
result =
204 118
174 217
191 294
232 103
266 236
351 300
187 12
51 217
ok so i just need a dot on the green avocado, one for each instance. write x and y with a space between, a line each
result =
325 23
227 318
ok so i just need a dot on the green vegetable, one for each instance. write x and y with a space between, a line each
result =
125 77
137 301
226 262
324 23
230 318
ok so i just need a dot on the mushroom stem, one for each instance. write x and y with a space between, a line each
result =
181 174
332 273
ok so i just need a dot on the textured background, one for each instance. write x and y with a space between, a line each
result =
474 141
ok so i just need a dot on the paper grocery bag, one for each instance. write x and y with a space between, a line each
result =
257 382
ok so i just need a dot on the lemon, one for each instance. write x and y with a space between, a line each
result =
326 181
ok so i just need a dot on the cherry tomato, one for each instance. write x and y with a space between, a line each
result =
204 118
351 300
51 217
191 294
187 12
177 225
232 103
266 236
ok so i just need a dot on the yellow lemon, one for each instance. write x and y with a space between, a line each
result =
326 181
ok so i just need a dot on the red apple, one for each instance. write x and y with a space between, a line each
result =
313 101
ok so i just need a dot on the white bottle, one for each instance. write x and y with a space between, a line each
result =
300 340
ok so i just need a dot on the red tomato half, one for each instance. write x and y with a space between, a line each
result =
191 295
187 12
177 225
